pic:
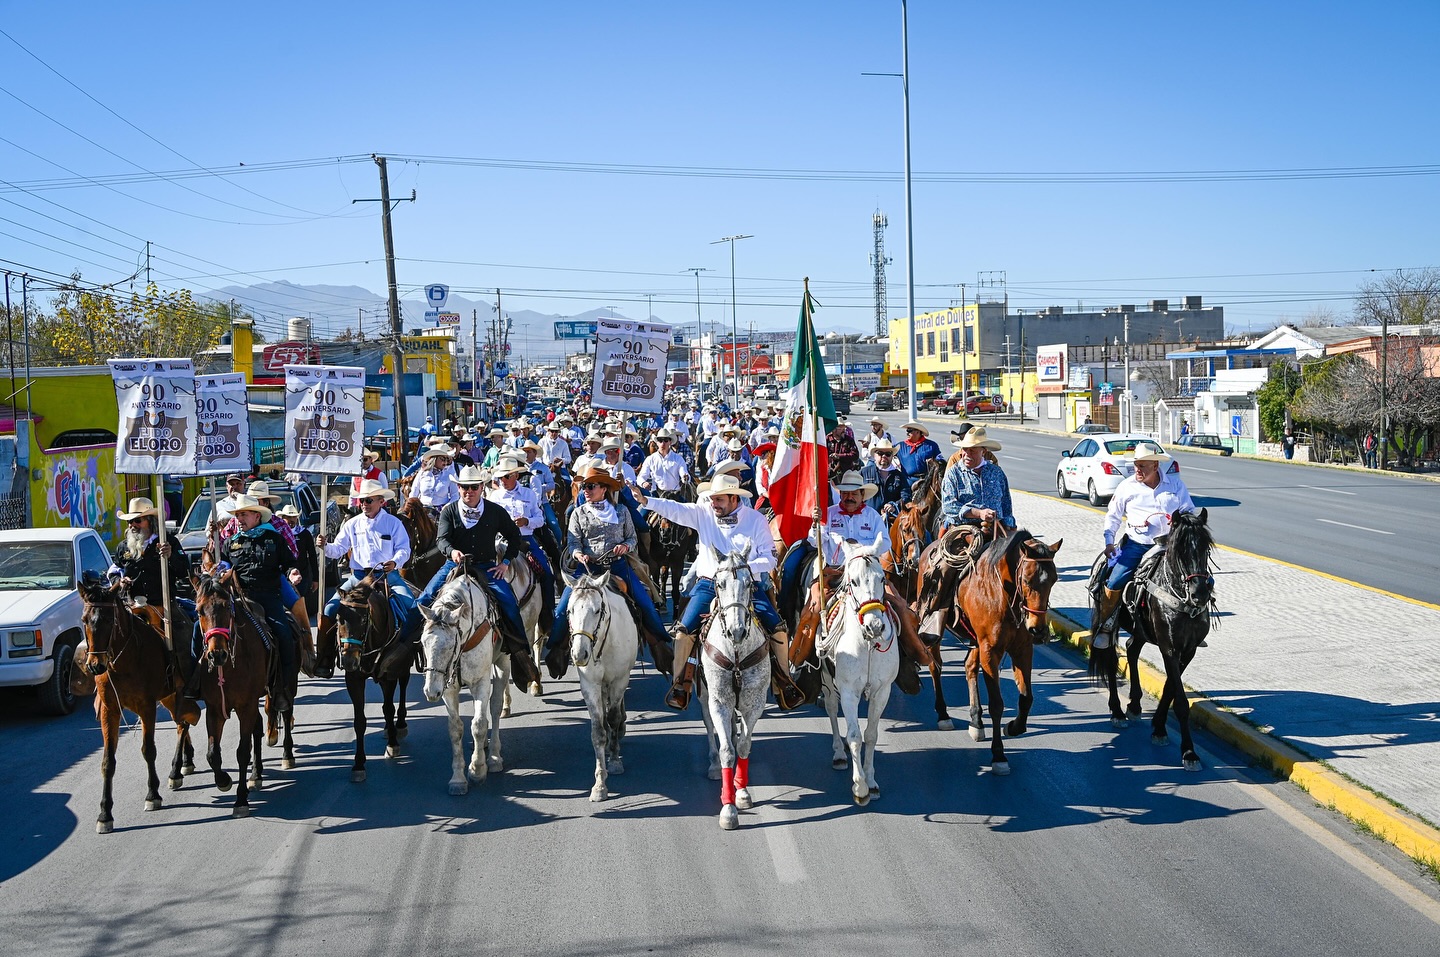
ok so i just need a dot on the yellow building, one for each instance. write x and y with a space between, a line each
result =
945 344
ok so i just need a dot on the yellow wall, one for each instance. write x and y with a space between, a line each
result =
940 323
436 353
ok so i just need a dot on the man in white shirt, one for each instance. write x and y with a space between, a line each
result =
375 539
723 525
523 507
759 433
434 484
715 450
878 434
554 448
664 469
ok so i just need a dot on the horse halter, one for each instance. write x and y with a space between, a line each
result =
108 654
1018 603
597 636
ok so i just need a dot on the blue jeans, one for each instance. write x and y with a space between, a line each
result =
504 594
1125 564
648 615
553 523
702 596
790 572
402 600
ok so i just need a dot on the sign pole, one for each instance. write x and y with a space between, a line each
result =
214 524
324 507
164 563
822 486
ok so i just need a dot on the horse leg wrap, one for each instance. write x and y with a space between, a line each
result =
727 786
742 773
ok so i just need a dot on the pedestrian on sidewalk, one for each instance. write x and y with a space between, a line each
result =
1371 448
1287 442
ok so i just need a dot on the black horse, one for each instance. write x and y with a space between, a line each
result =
1174 608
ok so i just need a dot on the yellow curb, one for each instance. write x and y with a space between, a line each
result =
1391 824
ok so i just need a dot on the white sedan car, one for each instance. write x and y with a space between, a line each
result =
1098 464
40 610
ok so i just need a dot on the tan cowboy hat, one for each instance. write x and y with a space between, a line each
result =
976 438
881 446
726 484
138 507
917 426
852 482
370 455
876 420
529 445
610 444
289 511
444 450
496 431
368 488
508 467
729 466
245 503
260 491
1150 452
602 477
471 475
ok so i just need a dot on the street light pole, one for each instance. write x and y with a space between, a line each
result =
909 225
734 322
699 331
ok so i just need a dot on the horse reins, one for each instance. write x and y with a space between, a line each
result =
598 636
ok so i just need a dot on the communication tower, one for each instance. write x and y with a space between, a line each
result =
879 261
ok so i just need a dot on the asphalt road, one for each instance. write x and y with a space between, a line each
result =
1379 530
1097 843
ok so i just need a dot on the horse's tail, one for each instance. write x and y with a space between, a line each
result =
1104 664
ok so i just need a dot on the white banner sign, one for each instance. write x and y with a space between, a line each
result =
223 420
630 362
156 434
324 419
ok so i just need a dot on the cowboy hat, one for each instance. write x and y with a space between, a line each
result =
852 482
726 484
881 446
507 467
138 507
600 477
553 426
260 491
368 488
735 445
471 475
610 444
729 466
244 503
1150 452
975 438
496 430
917 426
444 450
529 444
876 420
289 511
368 455
665 434
762 448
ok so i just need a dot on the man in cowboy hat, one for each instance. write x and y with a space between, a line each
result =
542 483
375 539
261 558
139 554
664 470
760 432
370 471
634 452
434 484
915 453
882 472
736 461
554 447
1139 517
719 443
307 568
724 526
523 507
877 433
975 491
497 446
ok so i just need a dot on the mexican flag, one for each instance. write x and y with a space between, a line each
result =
799 479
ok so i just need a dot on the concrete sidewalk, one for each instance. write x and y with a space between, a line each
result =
1341 672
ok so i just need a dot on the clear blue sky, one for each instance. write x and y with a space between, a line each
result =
1023 89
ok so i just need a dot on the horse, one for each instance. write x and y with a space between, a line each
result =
236 671
859 660
734 676
1004 605
672 545
603 644
425 558
938 571
371 647
525 583
131 666
461 648
1176 607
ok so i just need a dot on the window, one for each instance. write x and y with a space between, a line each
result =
930 342
76 438
944 347
955 340
919 344
93 557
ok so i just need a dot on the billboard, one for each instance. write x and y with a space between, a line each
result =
324 419
156 432
575 329
1050 363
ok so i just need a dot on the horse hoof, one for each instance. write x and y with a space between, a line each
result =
598 794
729 817
104 827
1014 729
272 737
1192 762
1001 768
256 784
1160 739
1133 711
287 764
875 793
358 776
187 768
713 774
945 724
742 799
152 804
241 810
223 782
495 764
1119 721
535 689
615 766
392 751
862 799
457 788
175 783
839 764
977 734
505 711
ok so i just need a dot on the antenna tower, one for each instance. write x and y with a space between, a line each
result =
879 261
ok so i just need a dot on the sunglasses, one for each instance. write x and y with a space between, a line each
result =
470 487
590 486
373 498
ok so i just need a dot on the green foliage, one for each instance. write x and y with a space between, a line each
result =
89 326
1274 397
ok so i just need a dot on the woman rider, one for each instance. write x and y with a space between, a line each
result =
260 559
601 531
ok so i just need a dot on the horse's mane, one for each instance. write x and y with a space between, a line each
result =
1188 548
1003 551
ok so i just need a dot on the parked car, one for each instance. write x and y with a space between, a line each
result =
1092 428
982 404
1098 463
40 610
925 401
842 402
857 394
1205 440
882 401
766 393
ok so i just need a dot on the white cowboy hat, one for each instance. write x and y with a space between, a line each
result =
976 438
918 426
471 475
735 445
881 446
665 434
260 491
876 420
1149 452
444 450
610 444
368 488
529 444
289 511
729 466
553 426
508 467
138 507
852 482
496 430
244 503
520 423
726 484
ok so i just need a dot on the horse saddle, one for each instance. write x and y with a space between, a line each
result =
947 560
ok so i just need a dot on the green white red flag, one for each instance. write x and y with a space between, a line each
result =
798 478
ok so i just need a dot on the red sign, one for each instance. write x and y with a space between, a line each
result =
275 358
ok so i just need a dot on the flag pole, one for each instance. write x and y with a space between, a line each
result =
822 498
164 562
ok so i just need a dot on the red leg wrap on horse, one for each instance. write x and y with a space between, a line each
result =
727 786
742 772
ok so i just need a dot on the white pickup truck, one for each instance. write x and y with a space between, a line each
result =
40 610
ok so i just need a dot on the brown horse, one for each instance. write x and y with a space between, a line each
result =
672 546
133 671
370 647
235 673
425 558
1004 604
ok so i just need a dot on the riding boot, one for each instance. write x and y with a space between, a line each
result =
686 660
523 670
1103 619
787 693
307 638
326 651
661 653
914 653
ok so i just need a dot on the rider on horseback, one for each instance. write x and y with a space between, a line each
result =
892 491
975 491
916 452
523 507
375 538
1143 504
723 525
261 559
138 560
434 484
664 470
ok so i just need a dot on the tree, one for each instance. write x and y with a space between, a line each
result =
92 325
1403 298
1274 397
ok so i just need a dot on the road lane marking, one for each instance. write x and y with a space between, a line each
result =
1048 448
785 855
1196 468
1016 458
1377 531
1337 491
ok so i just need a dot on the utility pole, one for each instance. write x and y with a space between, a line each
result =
475 349
909 219
734 322
397 352
1126 423
697 270
1384 387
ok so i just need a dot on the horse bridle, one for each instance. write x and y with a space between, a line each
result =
870 605
1016 604
109 654
600 633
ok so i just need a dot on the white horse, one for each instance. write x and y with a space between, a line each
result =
735 674
462 647
603 643
859 659
522 580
